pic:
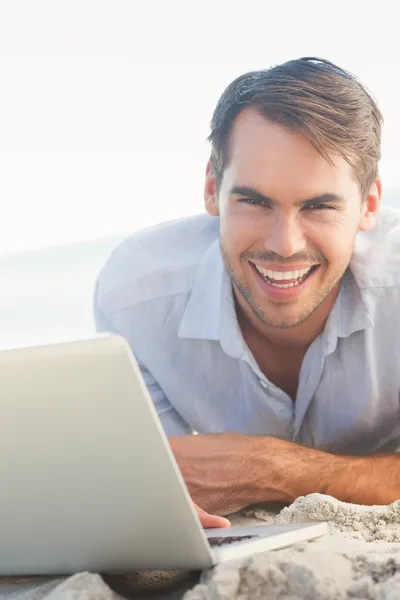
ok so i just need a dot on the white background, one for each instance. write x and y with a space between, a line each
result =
105 105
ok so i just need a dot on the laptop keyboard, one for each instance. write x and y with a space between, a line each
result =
222 541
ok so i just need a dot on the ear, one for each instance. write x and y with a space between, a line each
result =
210 192
370 207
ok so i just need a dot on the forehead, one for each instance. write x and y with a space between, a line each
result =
278 162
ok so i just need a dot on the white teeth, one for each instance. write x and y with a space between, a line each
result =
283 285
297 275
279 275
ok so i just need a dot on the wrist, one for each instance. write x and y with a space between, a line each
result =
271 467
316 471
287 470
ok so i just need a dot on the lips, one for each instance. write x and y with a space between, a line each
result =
283 290
284 279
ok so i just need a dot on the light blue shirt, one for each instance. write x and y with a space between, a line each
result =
167 292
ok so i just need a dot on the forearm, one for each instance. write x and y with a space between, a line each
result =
298 471
366 480
227 471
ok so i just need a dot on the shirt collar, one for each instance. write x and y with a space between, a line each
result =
201 317
210 312
348 315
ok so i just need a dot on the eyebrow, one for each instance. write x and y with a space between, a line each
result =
250 192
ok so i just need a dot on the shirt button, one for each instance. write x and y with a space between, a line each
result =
263 383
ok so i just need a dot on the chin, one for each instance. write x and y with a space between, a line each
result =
285 323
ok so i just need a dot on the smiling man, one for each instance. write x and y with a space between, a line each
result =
269 325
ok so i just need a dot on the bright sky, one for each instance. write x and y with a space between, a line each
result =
105 105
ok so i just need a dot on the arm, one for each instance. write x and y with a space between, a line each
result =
171 421
373 479
225 472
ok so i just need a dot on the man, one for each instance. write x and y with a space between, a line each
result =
269 326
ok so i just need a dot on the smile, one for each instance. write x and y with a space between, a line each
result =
284 279
283 285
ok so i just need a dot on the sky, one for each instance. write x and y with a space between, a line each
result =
105 105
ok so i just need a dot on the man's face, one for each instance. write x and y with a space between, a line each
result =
288 220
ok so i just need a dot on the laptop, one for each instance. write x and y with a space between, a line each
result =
88 479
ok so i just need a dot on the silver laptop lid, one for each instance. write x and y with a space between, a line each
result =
87 475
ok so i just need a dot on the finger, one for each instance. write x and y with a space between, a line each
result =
209 521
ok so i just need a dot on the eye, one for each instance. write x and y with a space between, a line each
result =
252 201
320 207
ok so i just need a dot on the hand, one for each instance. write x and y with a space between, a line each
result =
225 472
208 521
222 471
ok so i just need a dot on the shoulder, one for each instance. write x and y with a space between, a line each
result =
376 269
157 262
376 258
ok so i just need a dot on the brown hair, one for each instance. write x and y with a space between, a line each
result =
312 97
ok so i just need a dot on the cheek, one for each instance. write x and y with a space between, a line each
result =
240 233
331 235
335 246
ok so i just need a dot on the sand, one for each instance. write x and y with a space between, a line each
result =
359 559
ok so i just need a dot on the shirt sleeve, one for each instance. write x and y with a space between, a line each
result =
171 421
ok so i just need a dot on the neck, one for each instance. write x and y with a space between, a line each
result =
299 336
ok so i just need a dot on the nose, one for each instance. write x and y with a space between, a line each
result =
285 236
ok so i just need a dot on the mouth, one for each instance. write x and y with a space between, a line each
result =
285 284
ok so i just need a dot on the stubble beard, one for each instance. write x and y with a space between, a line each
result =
275 320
